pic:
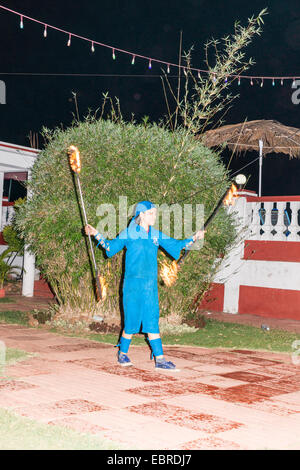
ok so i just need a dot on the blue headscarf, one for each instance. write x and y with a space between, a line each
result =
143 206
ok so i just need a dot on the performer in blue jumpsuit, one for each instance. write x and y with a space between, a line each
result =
140 290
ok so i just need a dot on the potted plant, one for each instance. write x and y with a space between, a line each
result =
5 270
15 247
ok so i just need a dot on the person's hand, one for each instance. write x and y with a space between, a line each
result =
89 230
199 235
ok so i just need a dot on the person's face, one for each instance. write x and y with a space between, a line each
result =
149 216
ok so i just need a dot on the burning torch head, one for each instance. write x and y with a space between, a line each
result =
169 273
240 180
103 285
74 158
232 194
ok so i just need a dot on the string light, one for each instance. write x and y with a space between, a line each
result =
239 81
184 71
199 75
213 75
262 83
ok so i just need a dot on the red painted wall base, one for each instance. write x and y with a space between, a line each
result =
272 251
267 302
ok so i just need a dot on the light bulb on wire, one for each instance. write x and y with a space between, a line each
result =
113 54
21 22
69 41
45 31
133 60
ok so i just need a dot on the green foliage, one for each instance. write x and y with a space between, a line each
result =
15 243
118 159
5 268
15 246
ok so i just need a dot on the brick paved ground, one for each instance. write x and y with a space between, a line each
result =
233 399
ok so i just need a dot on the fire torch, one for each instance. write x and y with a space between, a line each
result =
169 272
74 160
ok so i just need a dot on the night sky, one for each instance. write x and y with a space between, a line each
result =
151 28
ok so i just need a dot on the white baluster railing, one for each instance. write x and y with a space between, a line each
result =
280 226
286 224
267 226
294 227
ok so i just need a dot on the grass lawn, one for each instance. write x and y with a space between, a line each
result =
6 300
18 433
216 334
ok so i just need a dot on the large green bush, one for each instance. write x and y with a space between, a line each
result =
137 161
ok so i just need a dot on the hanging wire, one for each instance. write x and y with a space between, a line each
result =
149 59
84 75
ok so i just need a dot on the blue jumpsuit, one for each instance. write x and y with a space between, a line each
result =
140 290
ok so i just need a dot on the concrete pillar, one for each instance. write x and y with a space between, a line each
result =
29 266
231 267
28 274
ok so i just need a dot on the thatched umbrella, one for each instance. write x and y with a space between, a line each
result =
266 136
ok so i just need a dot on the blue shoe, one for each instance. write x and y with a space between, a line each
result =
163 364
124 360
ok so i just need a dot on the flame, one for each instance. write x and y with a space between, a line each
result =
232 194
74 158
168 272
104 286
